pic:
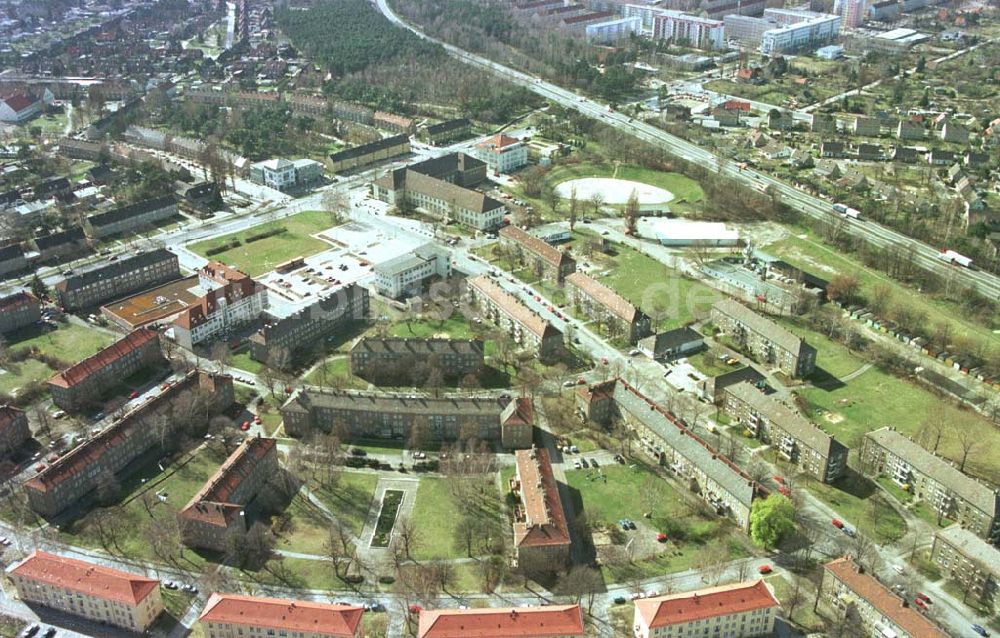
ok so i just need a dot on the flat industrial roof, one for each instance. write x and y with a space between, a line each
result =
156 304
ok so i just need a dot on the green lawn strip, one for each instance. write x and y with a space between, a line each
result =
308 530
438 512
454 327
349 498
710 365
263 255
922 562
243 362
70 342
960 593
804 615
852 498
814 256
176 601
17 375
832 357
296 573
897 492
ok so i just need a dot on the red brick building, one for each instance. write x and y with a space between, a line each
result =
541 535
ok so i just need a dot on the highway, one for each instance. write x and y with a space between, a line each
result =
922 255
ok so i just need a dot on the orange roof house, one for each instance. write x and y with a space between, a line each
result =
556 621
695 606
321 619
86 578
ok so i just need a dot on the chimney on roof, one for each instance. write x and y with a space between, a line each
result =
513 614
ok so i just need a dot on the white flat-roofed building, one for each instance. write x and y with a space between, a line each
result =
611 31
789 37
681 232
698 32
407 274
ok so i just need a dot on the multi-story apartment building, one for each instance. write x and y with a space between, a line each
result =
394 123
233 300
12 259
695 31
88 590
19 310
526 326
377 151
282 174
236 616
970 561
950 494
502 153
128 219
280 340
845 586
666 438
442 187
117 279
740 610
73 479
383 360
14 430
383 415
811 32
599 303
796 439
83 384
764 339
447 131
407 275
544 259
61 244
553 621
541 535
215 517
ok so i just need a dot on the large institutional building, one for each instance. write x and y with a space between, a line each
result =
541 535
696 31
795 438
382 415
947 491
215 516
502 153
395 359
76 476
233 299
528 328
236 616
764 339
83 384
742 610
407 275
553 621
87 590
117 279
718 480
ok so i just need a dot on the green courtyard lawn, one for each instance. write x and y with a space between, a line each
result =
349 498
804 615
243 362
710 365
832 357
629 492
455 326
70 342
182 478
261 256
858 500
439 511
808 252
15 376
307 530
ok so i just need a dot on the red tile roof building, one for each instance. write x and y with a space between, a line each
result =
214 518
83 384
845 585
541 535
596 301
84 589
517 424
740 610
233 299
14 429
556 621
537 254
19 107
502 153
526 326
228 615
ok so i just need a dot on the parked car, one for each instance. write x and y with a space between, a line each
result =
850 531
979 629
661 538
925 598
764 569
838 523
51 631
31 630
620 600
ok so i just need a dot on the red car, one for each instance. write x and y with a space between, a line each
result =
133 394
604 360
661 538
39 467
164 386
920 604
837 523
288 389
245 426
924 597
581 381
778 479
764 569
416 609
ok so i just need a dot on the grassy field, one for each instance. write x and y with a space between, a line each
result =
308 530
857 500
629 492
243 361
70 341
811 254
17 375
438 511
454 327
263 255
350 498
832 357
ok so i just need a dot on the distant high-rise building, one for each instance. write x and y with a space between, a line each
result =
852 11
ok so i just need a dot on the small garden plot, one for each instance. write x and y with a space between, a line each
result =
391 501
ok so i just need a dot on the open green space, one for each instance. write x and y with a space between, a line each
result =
258 257
694 540
308 528
804 615
858 500
243 362
832 357
15 376
70 341
710 365
349 497
455 326
442 505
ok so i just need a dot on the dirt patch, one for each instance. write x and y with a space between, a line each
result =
833 417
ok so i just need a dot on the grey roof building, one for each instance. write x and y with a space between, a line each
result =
398 359
132 217
672 343
118 278
764 339
968 560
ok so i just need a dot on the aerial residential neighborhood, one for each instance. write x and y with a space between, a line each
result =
499 318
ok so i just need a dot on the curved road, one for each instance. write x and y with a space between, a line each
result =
922 255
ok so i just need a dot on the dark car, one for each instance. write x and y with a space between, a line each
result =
31 631
980 630
51 631
620 600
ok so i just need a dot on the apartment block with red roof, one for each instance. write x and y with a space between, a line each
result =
235 616
846 586
19 310
19 107
502 153
740 610
596 301
214 517
84 589
541 535
555 621
541 257
83 384
14 430
233 299
529 329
